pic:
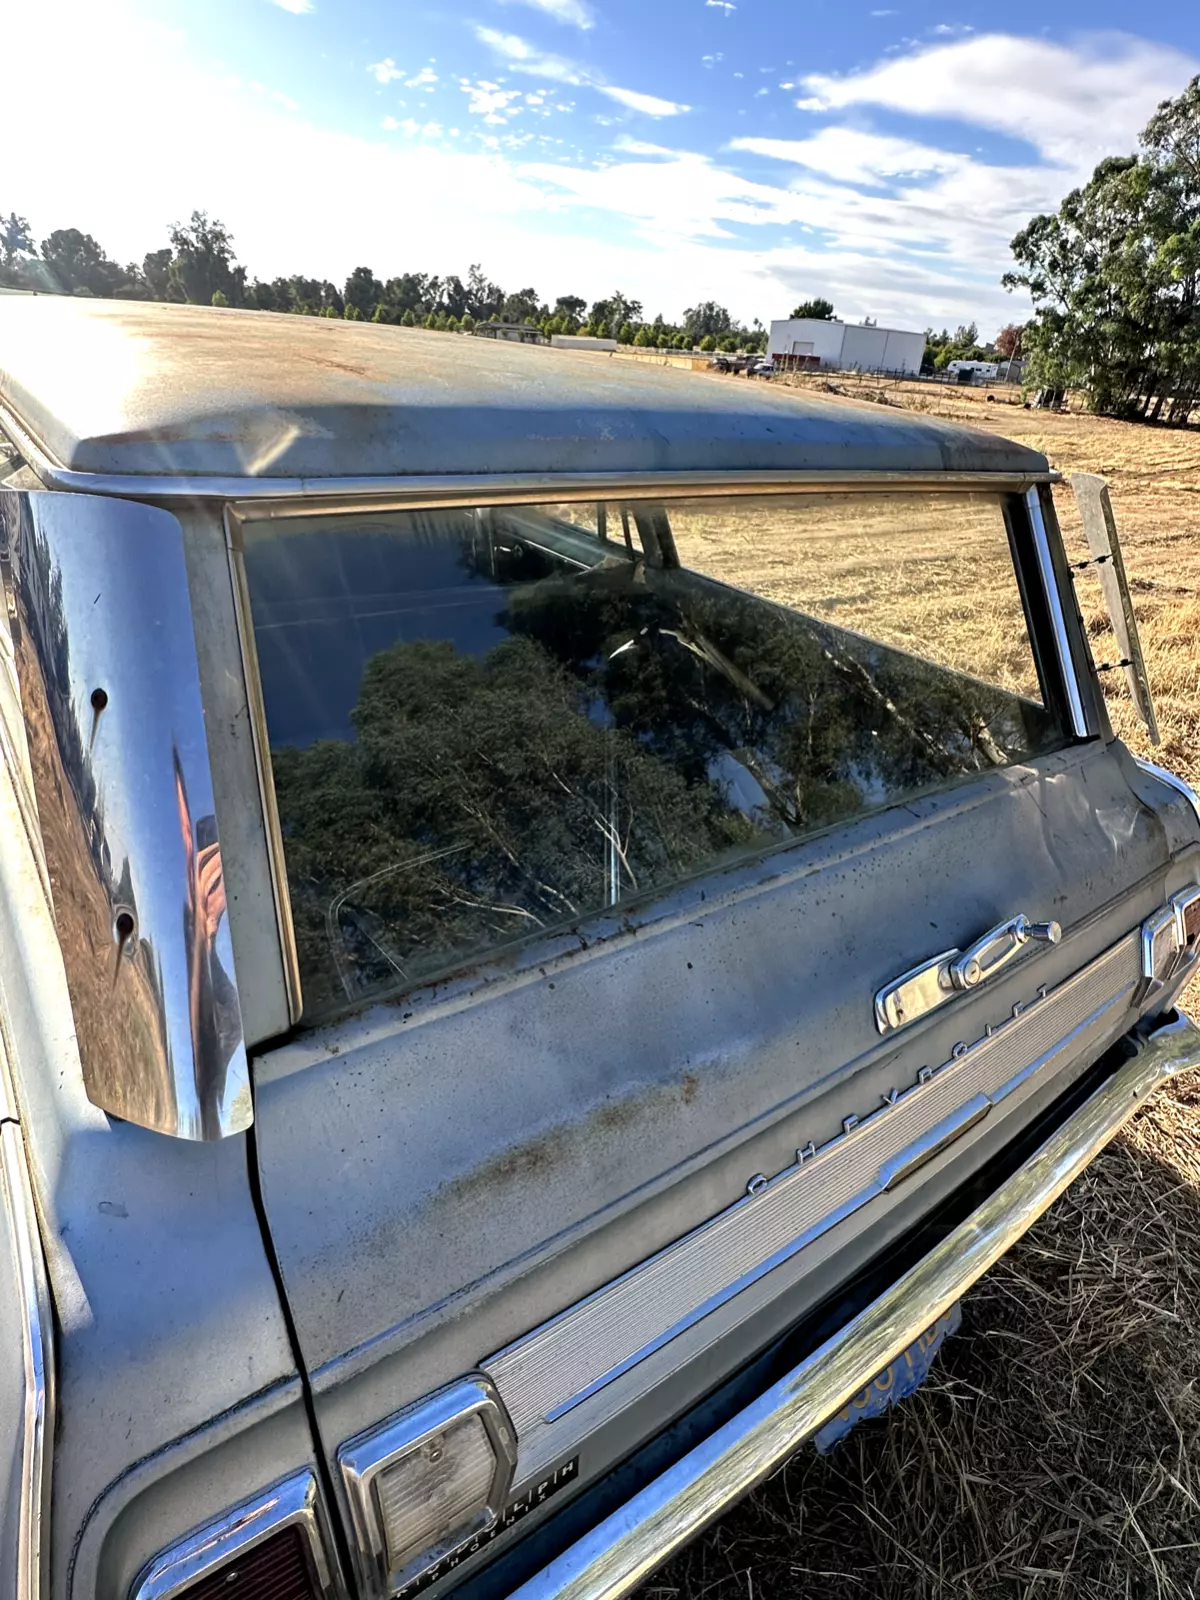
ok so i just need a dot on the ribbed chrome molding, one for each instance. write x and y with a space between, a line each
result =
573 1373
624 1549
36 1443
293 1503
461 489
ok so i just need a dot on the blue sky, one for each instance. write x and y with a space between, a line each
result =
751 151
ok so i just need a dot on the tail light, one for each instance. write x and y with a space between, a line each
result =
1170 941
273 1547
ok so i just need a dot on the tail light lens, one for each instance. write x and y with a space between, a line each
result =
427 1481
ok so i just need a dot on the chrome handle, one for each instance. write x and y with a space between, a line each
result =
997 948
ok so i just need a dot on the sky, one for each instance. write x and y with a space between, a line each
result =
755 152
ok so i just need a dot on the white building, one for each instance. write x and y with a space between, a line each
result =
845 346
580 341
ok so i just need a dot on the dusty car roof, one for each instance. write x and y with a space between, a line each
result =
138 388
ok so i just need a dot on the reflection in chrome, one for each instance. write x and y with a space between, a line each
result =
36 1443
622 1551
294 1503
1062 641
110 691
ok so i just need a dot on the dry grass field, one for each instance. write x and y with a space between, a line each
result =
1055 1452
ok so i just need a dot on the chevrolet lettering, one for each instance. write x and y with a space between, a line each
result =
555 915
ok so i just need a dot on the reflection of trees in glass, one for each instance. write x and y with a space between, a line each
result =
639 725
481 802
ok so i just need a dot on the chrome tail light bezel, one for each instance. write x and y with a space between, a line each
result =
365 1457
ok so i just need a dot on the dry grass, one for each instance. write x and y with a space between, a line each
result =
1055 1451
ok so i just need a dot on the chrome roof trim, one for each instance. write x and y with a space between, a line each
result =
623 1550
33 1517
286 495
295 1502
1062 640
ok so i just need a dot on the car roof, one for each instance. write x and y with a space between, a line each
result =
138 388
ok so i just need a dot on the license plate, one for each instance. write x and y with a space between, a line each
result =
897 1381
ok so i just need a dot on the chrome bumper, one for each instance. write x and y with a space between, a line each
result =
623 1550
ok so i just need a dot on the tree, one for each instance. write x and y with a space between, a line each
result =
484 298
409 320
156 269
708 342
203 262
706 318
569 311
220 298
642 338
352 314
816 310
1008 340
15 239
468 323
521 306
1114 276
77 262
363 291
626 333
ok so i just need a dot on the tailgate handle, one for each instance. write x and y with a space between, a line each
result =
997 948
916 993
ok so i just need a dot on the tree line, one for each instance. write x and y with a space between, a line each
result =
199 267
1114 275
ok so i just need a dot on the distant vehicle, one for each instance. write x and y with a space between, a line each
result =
507 1033
764 367
973 371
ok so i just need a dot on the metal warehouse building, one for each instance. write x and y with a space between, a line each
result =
845 346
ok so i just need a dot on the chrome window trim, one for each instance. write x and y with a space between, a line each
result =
1173 781
365 1456
294 1502
1058 621
260 743
518 491
33 1515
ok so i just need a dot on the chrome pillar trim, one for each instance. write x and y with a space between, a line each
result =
260 741
628 1546
1062 641
1173 781
294 1502
364 1457
105 654
36 1444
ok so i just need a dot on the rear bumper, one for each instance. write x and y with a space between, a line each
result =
625 1548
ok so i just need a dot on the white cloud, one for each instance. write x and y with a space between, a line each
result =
524 57
650 105
385 70
1073 103
489 101
425 79
575 12
298 8
884 13
848 155
721 5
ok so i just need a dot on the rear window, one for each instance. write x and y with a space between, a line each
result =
489 723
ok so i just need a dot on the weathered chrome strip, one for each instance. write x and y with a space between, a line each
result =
624 1549
36 1444
1173 781
550 1372
469 490
293 1503
1062 641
